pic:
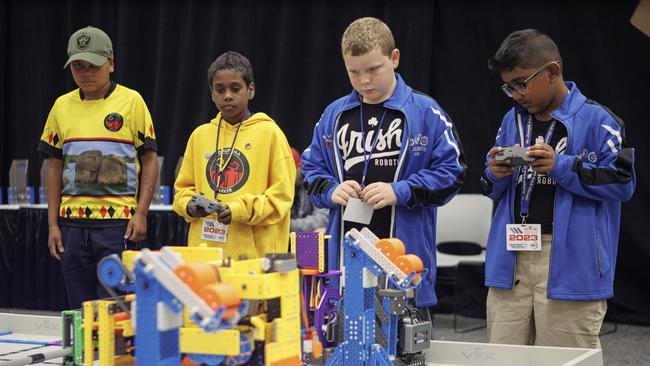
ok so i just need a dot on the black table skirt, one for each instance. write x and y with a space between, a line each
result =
31 279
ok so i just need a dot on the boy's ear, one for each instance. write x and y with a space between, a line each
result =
112 63
251 91
554 71
394 57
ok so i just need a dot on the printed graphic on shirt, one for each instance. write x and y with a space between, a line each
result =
113 122
382 164
352 141
234 175
99 168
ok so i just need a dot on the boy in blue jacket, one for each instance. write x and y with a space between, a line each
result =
384 149
567 202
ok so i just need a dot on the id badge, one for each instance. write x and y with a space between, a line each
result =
358 211
524 237
213 230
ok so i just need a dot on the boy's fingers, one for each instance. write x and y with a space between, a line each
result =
129 230
354 185
53 251
350 191
494 151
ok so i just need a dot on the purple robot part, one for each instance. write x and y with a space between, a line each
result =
307 249
325 311
325 314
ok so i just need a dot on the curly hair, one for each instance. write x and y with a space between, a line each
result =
364 34
231 60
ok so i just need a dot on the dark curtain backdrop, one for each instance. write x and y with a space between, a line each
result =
163 48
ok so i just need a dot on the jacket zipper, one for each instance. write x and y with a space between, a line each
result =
398 171
337 159
512 199
550 257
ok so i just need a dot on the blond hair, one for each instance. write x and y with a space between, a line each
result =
364 34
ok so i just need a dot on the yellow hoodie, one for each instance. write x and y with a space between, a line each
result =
258 184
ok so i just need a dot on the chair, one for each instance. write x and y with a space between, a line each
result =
462 230
470 293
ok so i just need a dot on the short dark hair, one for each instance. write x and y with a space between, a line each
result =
231 60
526 48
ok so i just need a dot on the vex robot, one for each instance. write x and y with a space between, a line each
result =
374 322
191 306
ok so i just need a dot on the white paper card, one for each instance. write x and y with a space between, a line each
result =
358 211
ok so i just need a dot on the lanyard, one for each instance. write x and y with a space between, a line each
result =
366 159
528 185
223 165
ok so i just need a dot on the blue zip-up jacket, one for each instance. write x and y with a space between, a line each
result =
593 177
430 171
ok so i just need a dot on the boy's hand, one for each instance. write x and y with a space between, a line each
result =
54 242
137 228
225 216
345 190
379 195
196 211
498 168
545 158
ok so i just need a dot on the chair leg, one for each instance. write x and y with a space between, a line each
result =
456 301
465 330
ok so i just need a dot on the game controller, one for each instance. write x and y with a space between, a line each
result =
515 154
208 205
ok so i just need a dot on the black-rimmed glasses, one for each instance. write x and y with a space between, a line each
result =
521 86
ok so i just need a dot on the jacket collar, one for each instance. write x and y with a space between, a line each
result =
399 97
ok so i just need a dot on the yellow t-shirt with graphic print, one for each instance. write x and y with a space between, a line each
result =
99 142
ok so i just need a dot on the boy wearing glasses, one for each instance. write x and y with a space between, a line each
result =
552 246
385 151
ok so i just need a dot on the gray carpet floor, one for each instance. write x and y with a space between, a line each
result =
629 345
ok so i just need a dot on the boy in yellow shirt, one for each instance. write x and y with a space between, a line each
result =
242 160
101 146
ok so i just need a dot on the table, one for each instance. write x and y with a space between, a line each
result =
31 279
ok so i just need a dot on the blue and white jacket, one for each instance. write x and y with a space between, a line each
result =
594 175
430 171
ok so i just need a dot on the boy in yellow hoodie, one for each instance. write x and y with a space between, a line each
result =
242 160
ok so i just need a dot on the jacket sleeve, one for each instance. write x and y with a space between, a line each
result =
320 181
439 182
274 204
185 185
604 174
492 186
